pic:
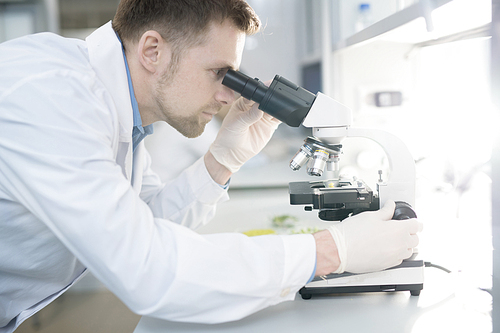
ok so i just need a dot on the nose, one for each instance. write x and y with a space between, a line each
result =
225 96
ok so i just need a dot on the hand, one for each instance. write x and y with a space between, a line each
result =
244 132
372 241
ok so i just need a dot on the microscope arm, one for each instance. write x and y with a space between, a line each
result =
400 183
331 123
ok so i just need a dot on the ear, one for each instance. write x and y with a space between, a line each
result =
153 52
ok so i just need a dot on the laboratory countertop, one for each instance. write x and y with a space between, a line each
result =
443 306
449 302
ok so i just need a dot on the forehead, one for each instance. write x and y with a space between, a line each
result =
223 47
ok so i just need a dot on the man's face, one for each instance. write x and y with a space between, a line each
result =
189 98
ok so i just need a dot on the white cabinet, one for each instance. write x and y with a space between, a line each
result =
425 20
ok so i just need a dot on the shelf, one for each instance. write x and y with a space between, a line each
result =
425 21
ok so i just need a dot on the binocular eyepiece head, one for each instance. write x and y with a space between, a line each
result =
283 99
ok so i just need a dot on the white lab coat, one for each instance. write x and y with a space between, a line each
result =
73 196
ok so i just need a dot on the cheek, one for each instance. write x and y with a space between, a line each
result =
193 90
201 90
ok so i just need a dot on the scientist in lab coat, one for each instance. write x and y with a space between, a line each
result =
77 193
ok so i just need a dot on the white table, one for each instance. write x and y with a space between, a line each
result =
448 302
443 306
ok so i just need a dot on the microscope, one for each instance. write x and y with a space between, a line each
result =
337 198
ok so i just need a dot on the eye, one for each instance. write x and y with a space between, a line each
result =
220 72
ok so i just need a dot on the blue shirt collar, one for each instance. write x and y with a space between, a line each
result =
138 132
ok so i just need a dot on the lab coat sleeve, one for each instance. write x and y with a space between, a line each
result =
57 160
189 200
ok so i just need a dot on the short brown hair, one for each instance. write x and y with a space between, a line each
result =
181 22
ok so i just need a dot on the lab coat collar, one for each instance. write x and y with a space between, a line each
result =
106 57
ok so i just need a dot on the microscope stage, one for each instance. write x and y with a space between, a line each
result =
349 194
334 202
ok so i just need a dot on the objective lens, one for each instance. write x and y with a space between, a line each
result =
318 163
301 157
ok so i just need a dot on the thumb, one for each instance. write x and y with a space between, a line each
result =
251 116
387 212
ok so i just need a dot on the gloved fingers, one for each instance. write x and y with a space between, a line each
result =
268 117
387 212
255 114
242 104
273 122
415 226
413 241
242 114
405 254
399 261
252 115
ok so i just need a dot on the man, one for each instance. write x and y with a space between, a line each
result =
77 193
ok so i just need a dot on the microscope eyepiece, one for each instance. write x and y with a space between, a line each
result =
283 99
249 88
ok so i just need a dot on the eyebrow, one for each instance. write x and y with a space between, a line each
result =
224 66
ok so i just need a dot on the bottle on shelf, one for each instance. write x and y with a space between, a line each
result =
364 18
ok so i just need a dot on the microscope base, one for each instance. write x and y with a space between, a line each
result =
406 277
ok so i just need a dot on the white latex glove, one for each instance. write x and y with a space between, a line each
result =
243 133
372 241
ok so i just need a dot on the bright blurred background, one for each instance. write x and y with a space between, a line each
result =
437 59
